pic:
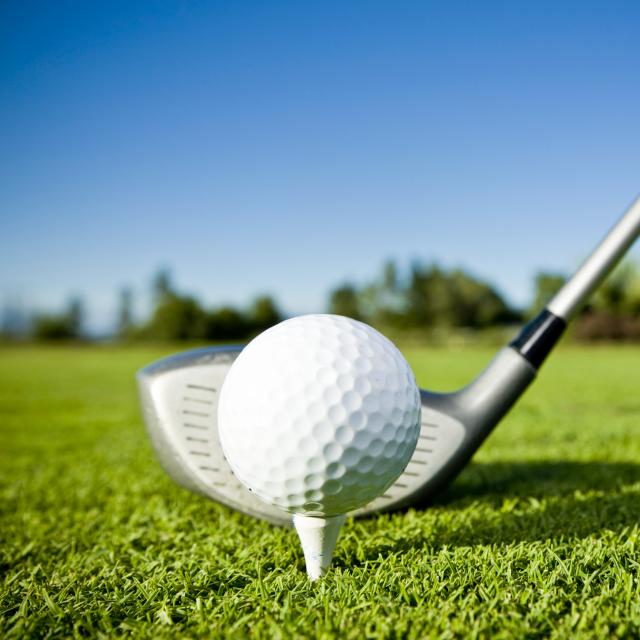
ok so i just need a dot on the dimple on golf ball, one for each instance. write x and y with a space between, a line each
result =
319 415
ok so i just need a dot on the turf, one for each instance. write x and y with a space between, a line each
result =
539 537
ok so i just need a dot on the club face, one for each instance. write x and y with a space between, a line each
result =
179 399
179 396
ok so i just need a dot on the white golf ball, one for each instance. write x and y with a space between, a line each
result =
319 415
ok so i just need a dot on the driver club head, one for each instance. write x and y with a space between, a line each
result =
179 397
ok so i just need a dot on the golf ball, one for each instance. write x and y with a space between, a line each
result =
319 415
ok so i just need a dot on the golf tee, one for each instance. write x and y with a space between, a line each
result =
318 538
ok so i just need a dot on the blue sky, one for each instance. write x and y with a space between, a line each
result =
285 147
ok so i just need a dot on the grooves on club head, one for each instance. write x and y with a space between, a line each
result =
179 397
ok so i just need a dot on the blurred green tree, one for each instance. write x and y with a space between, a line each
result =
263 313
75 316
177 318
125 313
439 298
546 285
226 323
68 325
620 292
162 286
344 301
428 297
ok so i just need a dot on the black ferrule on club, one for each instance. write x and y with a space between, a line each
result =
538 337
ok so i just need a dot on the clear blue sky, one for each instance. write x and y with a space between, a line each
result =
284 147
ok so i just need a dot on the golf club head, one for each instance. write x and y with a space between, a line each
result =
179 397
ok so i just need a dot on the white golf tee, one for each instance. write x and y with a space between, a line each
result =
318 538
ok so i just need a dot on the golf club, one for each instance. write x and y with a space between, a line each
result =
179 397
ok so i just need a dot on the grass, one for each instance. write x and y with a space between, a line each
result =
539 537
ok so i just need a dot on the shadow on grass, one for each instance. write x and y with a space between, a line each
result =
496 481
506 503
537 501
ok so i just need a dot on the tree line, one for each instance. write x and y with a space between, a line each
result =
419 297
425 296
181 317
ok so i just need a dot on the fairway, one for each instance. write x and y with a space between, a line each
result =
539 537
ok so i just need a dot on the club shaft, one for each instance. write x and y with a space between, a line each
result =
576 291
